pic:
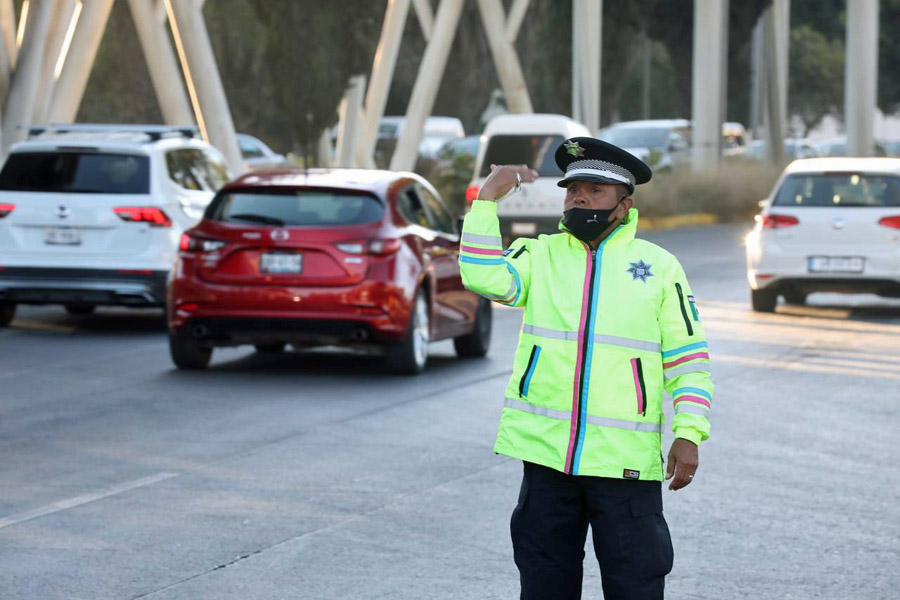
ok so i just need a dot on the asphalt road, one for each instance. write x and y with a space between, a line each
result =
318 476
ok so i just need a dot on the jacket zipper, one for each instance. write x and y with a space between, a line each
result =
526 376
687 321
584 355
640 388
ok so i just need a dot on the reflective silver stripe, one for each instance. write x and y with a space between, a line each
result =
694 409
477 238
555 334
509 294
626 425
561 415
565 415
689 368
627 342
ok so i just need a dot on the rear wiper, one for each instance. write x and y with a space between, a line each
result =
257 219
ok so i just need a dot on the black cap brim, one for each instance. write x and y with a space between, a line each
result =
594 179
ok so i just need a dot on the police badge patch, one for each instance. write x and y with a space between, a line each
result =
640 270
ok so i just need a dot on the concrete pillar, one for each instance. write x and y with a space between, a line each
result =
8 30
323 149
861 76
425 17
69 88
514 19
586 43
506 60
349 124
774 106
383 72
60 21
756 81
425 89
161 62
203 81
706 96
26 79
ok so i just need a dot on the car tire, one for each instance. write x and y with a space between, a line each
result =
798 298
477 343
411 355
763 300
187 353
80 309
7 313
273 348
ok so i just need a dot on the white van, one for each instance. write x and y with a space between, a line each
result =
532 140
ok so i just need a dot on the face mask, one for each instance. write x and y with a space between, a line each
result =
587 223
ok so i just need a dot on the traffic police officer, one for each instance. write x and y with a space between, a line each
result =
609 325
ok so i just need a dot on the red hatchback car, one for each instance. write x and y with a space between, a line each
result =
358 258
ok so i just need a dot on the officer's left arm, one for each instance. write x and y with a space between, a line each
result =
685 356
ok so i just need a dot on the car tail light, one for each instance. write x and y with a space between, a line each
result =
143 214
893 222
777 221
193 243
471 193
376 247
5 209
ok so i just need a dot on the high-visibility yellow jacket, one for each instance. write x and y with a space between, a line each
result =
604 334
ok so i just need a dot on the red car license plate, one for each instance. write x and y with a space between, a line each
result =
281 263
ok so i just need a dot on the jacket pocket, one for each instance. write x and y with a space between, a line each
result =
640 390
529 371
681 301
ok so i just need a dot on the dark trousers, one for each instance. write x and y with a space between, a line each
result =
549 527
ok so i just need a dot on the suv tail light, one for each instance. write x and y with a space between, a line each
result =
5 209
893 222
471 193
777 221
376 247
192 243
143 214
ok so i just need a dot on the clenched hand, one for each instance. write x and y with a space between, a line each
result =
684 457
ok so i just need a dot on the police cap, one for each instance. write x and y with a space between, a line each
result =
590 159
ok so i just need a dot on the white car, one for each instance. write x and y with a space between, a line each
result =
526 139
93 215
661 143
829 225
256 155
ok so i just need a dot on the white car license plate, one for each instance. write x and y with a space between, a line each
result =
62 236
281 263
523 228
836 264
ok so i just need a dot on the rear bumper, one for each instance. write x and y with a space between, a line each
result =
234 314
35 285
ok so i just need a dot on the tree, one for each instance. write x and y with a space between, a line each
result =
816 84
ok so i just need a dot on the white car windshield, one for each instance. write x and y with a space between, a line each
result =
839 190
637 137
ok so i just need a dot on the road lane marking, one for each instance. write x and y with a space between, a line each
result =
39 326
84 499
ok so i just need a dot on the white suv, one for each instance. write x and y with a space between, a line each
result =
529 139
93 214
830 225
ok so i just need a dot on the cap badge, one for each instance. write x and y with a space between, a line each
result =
574 149
640 270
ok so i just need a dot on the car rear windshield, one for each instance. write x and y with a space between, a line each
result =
839 189
280 207
536 151
637 137
76 172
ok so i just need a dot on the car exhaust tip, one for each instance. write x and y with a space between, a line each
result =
359 335
199 331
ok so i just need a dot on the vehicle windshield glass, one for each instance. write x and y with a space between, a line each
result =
637 137
839 189
536 151
76 172
286 207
